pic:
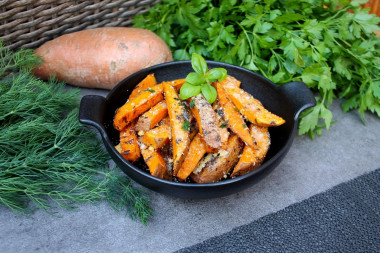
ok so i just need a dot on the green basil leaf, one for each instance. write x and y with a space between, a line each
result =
187 90
217 74
195 78
209 93
199 64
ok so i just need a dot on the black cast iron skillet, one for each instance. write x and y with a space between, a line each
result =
287 101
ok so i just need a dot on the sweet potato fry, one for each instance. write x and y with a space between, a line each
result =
196 152
179 124
150 118
233 118
207 121
193 130
216 166
224 134
252 158
155 162
222 126
128 146
147 82
157 137
231 81
167 153
164 121
138 105
251 108
177 84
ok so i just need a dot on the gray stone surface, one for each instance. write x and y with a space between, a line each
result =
346 151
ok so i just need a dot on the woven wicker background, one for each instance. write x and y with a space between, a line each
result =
30 23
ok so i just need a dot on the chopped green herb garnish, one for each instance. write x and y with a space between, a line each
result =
192 104
150 90
185 105
223 125
186 125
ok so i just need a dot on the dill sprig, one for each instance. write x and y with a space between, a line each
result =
47 158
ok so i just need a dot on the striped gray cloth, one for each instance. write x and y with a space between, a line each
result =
345 218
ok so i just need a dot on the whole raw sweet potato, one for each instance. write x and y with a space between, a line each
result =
101 57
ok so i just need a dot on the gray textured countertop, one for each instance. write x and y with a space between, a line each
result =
348 150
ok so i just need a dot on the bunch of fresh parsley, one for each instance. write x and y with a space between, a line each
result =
330 45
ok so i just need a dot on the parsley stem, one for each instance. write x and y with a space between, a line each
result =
343 10
249 41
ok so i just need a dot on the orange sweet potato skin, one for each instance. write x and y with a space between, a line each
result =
157 137
155 162
196 151
147 82
233 118
129 147
252 108
101 57
177 84
252 158
230 80
150 118
137 106
178 115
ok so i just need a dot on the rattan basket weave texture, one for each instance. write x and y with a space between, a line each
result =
30 23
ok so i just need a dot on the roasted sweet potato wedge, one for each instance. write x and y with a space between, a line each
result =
232 117
129 147
157 137
150 118
147 82
222 126
179 124
230 80
207 121
164 121
177 84
252 158
138 105
196 152
155 161
251 108
213 167
167 153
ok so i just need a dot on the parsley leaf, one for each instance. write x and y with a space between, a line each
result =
150 90
335 52
186 125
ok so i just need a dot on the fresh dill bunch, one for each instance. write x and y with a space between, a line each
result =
47 158
23 59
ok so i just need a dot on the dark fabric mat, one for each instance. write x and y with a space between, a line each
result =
345 218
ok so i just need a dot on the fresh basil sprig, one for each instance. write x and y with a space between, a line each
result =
200 80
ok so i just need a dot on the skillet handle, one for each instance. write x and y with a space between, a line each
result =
92 110
299 96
